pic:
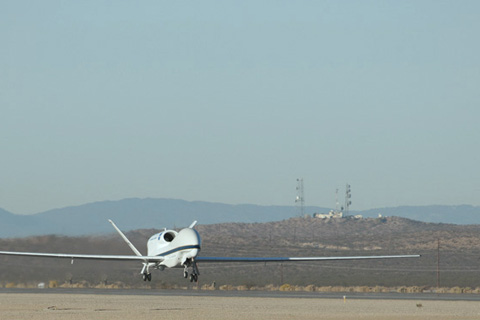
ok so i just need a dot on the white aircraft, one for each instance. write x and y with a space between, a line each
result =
171 249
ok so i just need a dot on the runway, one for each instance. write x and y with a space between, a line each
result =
150 304
252 294
77 304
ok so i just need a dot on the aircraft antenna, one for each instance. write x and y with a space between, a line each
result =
300 199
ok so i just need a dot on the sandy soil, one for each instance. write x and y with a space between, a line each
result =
82 306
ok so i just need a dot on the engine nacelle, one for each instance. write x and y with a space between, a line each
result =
160 240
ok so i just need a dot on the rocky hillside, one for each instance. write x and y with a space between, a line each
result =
459 254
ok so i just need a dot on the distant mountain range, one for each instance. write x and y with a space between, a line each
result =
131 214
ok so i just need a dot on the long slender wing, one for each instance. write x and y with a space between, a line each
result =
284 259
85 256
126 239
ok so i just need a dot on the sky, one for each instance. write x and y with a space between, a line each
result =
233 101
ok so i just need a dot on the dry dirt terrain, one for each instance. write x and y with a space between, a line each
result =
453 249
73 306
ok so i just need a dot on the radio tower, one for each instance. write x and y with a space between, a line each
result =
300 199
336 200
348 196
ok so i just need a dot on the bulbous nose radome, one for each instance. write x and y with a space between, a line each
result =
189 237
189 240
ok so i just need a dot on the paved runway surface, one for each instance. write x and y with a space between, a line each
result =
253 294
80 304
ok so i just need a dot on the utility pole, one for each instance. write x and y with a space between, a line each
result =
438 263
281 273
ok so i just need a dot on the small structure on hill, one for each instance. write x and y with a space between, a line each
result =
331 215
336 215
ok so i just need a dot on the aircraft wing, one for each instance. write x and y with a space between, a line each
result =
86 256
292 259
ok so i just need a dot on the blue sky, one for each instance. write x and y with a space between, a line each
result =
232 101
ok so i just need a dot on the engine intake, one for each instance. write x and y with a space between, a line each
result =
169 236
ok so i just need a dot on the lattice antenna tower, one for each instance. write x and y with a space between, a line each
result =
300 199
336 200
348 196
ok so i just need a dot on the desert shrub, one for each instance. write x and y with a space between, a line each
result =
310 288
208 287
455 290
286 287
226 287
271 287
242 288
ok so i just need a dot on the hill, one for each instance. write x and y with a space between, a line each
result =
459 254
463 214
137 213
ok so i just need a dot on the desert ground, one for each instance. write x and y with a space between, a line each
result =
86 306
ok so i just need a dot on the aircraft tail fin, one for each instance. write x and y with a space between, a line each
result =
126 239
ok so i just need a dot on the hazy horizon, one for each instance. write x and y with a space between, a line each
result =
231 102
233 204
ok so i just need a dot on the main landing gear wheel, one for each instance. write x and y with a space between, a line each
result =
194 274
193 277
147 276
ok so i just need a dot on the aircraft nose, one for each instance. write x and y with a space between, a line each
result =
190 237
193 253
189 240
